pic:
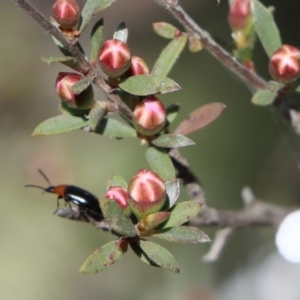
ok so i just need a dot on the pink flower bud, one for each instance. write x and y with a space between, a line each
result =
239 15
119 194
66 12
114 58
149 116
284 65
64 83
138 67
147 193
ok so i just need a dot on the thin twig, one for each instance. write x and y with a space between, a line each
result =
251 79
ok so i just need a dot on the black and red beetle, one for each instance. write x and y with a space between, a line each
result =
87 202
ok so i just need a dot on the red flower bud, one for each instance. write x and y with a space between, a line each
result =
64 83
147 193
119 194
239 14
114 58
284 65
149 116
138 67
66 12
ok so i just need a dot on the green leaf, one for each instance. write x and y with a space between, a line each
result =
117 180
172 141
160 163
265 27
114 128
183 234
172 112
263 97
82 85
60 124
66 60
154 255
169 56
143 85
96 41
90 9
97 114
165 30
173 191
200 118
181 213
104 257
114 216
121 33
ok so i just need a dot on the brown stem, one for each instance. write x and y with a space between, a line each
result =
251 79
86 68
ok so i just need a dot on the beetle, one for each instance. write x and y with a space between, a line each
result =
87 202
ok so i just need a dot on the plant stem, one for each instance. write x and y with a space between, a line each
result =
253 81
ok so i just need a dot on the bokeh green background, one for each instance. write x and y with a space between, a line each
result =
40 254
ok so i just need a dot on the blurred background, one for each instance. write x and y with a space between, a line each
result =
247 145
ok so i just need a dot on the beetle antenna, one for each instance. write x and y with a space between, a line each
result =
36 186
43 174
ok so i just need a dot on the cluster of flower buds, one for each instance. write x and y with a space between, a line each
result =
146 194
64 83
115 60
66 13
284 65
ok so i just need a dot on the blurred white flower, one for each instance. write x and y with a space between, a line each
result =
288 237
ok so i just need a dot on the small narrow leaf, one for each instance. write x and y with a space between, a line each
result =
155 255
265 27
82 85
165 30
263 97
114 216
66 60
172 141
181 213
121 33
90 9
60 124
114 128
173 191
169 56
183 234
143 85
116 180
199 118
160 163
96 41
104 257
172 112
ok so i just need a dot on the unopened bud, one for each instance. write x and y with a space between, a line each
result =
147 193
114 58
66 12
64 83
284 65
239 15
119 194
149 116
